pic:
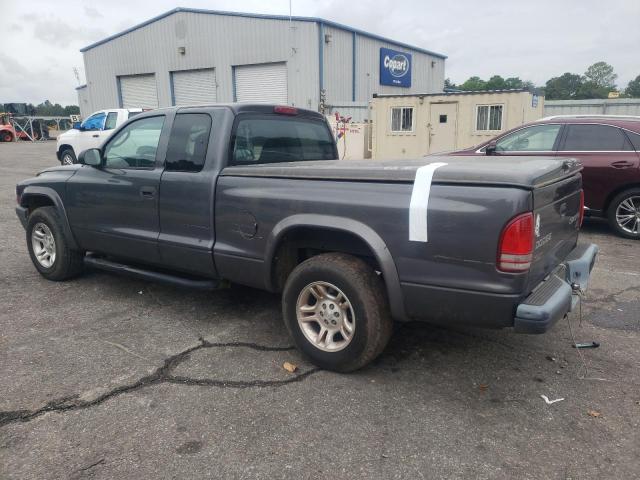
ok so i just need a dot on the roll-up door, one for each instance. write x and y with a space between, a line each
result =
194 87
262 83
138 91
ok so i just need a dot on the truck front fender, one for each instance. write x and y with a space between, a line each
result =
35 192
349 226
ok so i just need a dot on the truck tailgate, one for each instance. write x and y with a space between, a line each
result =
556 210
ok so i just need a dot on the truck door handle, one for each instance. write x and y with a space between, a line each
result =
622 164
95 136
147 192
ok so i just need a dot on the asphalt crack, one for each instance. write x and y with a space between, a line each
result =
160 375
88 467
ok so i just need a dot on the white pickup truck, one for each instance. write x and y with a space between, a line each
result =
91 132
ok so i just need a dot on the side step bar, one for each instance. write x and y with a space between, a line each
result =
152 275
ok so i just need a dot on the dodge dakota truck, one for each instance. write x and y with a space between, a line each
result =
253 194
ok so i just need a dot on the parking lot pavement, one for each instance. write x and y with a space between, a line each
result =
109 377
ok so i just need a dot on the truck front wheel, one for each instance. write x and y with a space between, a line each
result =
67 157
49 248
336 309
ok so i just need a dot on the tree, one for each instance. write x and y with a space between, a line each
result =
474 83
496 83
633 89
601 75
564 87
449 85
590 89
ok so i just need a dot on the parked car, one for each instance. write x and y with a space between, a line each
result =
91 132
255 195
607 146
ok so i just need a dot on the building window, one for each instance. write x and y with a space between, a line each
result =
489 117
443 119
402 119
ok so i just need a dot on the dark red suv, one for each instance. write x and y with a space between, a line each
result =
608 147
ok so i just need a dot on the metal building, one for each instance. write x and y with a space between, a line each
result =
190 56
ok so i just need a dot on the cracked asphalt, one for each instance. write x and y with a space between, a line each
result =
107 377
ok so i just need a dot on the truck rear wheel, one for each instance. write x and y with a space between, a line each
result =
336 309
624 213
6 137
67 157
49 247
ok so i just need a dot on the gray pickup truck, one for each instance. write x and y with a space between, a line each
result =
253 194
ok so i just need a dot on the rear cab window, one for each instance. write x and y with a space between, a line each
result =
265 138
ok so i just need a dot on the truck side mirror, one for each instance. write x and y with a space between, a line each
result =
91 157
77 126
491 148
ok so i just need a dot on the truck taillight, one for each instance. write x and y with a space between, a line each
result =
285 110
581 213
515 250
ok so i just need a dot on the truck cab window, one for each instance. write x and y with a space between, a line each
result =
112 120
188 142
272 140
135 145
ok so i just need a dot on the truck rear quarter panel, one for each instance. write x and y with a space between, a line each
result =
463 231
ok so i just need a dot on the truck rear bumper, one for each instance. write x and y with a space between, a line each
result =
558 294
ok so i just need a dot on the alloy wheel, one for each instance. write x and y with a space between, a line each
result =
628 215
44 245
325 316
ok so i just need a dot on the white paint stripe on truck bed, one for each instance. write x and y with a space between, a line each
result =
420 202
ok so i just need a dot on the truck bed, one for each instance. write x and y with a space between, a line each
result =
521 172
447 278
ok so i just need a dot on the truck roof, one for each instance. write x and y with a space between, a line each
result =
237 108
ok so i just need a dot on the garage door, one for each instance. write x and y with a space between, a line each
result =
263 83
194 87
139 91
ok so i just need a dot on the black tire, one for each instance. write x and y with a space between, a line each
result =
367 296
68 263
7 137
67 155
633 194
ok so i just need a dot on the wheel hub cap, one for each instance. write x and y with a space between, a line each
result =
44 245
628 215
325 316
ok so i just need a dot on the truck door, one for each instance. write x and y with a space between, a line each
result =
113 209
187 195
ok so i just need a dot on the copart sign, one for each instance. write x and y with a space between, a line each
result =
395 68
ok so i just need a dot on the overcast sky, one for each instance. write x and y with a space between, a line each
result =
531 40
